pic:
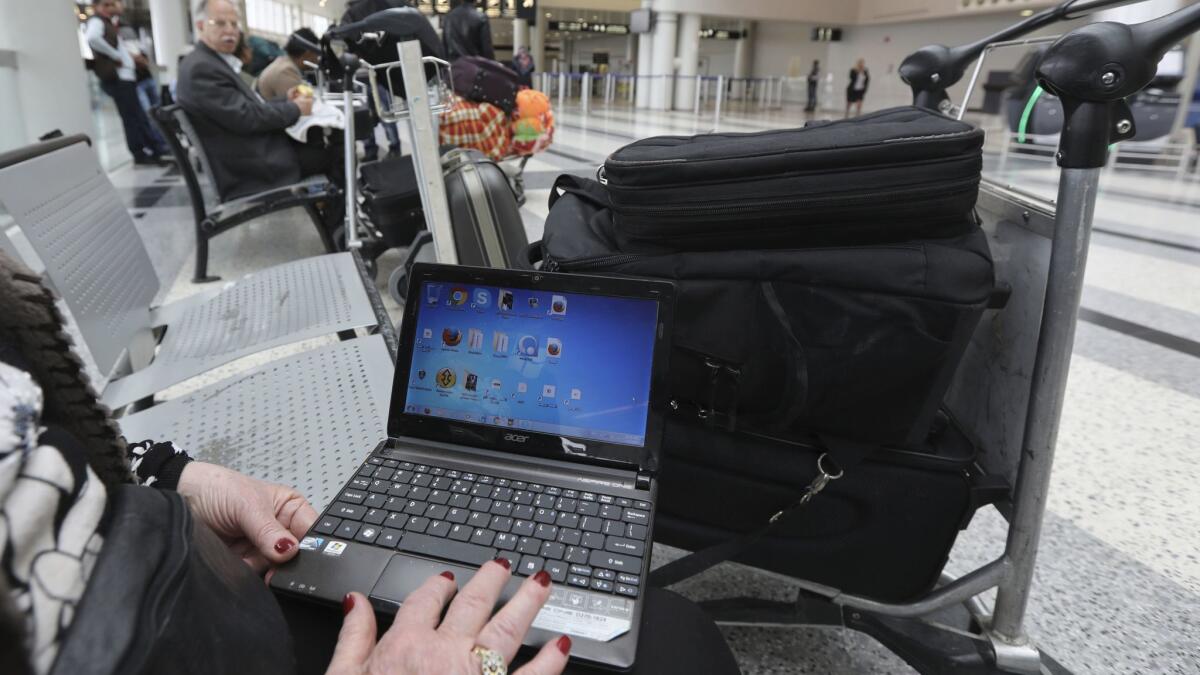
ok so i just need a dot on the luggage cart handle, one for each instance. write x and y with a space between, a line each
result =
1094 68
931 70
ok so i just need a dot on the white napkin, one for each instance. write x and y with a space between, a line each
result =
323 115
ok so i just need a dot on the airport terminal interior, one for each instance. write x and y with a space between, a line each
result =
1081 412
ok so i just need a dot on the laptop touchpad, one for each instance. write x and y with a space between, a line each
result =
598 616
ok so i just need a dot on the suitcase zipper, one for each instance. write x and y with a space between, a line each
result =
552 265
743 207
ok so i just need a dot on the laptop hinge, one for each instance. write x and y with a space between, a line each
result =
642 482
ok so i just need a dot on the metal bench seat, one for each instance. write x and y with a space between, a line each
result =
73 219
304 420
215 213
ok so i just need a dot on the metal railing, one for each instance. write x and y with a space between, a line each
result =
616 89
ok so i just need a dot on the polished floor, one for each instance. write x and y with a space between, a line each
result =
1117 588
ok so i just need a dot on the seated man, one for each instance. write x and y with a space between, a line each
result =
243 135
287 71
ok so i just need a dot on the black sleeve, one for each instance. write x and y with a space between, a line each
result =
485 41
157 464
211 94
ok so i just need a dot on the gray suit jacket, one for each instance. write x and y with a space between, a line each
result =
243 136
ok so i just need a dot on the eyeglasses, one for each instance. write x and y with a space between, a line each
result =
222 24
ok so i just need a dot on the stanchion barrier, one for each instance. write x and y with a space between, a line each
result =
585 92
720 97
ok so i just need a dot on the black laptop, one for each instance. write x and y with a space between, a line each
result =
525 422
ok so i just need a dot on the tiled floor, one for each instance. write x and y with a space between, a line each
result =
1117 588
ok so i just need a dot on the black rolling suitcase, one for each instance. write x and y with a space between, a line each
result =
488 229
392 199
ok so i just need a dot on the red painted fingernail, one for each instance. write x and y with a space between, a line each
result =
564 645
283 546
449 575
347 604
503 562
542 578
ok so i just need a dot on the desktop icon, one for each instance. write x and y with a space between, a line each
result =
427 333
472 382
527 346
576 394
548 391
451 337
558 306
500 342
553 347
432 293
446 378
506 300
482 298
496 384
458 297
420 374
475 340
533 303
522 387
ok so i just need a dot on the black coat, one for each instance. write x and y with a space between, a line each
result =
243 136
465 32
866 81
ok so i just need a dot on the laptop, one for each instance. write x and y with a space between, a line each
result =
525 422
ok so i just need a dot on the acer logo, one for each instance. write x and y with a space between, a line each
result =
515 438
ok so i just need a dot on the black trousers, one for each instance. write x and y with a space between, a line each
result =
677 638
140 138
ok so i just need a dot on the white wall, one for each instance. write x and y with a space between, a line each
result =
716 57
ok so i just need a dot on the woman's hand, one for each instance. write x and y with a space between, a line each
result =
420 642
259 521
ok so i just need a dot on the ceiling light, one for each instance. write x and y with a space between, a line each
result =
1027 12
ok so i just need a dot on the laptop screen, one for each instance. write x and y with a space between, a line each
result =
564 366
554 362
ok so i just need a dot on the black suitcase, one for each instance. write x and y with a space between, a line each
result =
392 199
848 341
883 530
890 176
488 229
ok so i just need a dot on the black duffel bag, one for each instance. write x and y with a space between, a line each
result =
857 341
891 176
483 80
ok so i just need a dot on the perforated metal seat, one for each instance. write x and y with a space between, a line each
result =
73 219
304 421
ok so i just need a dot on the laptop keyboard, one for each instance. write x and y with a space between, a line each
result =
584 539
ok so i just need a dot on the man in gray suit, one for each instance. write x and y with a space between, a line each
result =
243 135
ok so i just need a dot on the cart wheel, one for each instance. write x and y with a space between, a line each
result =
339 238
397 285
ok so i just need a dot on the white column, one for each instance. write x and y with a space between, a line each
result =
743 58
645 56
169 23
689 55
663 64
46 83
537 47
520 34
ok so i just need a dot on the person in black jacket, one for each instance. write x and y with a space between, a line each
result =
814 79
856 89
243 135
465 31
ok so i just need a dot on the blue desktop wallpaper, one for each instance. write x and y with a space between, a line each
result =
558 363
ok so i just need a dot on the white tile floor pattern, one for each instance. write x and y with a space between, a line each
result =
1117 589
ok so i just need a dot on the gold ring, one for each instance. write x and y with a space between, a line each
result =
491 662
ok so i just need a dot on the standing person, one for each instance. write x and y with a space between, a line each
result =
465 31
523 65
116 68
856 90
357 10
814 78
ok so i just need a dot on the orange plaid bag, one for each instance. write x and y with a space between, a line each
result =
481 126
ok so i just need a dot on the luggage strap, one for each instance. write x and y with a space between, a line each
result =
842 453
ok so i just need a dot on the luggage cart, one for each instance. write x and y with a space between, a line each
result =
416 111
1022 352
